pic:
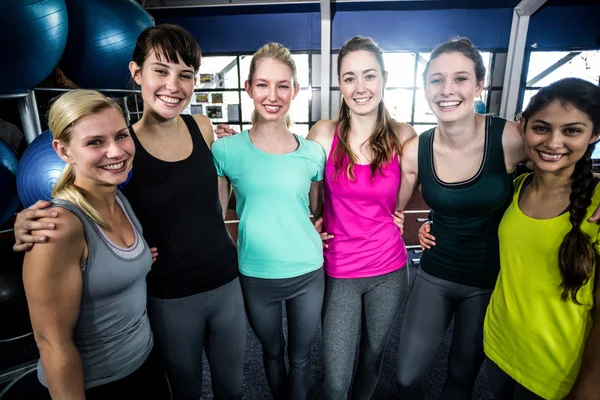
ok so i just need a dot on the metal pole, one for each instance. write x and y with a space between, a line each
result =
30 118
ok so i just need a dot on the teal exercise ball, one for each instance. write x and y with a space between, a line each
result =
101 43
34 35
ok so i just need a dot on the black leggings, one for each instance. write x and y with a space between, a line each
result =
431 305
504 387
147 382
303 297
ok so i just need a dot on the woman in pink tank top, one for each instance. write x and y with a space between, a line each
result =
365 256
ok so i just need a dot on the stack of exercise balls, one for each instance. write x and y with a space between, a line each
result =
102 36
34 35
92 41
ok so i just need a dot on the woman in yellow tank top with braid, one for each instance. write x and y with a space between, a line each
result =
541 336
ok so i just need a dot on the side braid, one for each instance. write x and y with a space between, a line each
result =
576 255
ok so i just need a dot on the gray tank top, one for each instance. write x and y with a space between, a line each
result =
112 333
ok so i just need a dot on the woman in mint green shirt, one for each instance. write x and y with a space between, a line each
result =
280 252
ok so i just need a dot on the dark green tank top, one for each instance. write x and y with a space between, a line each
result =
466 214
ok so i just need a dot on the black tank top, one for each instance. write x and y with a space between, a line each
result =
466 215
178 206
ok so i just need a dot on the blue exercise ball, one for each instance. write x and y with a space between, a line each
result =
34 34
101 42
9 201
39 169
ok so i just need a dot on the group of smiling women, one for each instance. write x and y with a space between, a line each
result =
116 265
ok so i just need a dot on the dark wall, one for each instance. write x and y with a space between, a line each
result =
244 29
565 27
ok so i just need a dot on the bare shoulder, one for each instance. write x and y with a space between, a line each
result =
410 154
322 132
512 144
206 128
405 132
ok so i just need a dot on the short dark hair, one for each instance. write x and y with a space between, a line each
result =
169 42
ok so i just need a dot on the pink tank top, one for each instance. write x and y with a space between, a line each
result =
358 213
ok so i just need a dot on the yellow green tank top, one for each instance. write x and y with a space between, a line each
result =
529 332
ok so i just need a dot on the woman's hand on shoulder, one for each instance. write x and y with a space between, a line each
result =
223 130
30 229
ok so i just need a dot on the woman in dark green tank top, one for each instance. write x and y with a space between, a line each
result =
464 167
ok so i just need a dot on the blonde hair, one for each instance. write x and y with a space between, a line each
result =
63 116
277 52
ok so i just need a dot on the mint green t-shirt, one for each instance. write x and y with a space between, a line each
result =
276 238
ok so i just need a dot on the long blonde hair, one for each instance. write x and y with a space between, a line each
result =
384 141
64 114
277 52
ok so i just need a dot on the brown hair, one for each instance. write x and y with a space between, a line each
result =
576 255
277 52
169 42
384 141
463 46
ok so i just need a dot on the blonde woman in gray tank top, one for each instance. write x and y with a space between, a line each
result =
86 288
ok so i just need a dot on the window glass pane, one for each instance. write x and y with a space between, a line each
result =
244 68
218 72
420 128
215 105
300 129
424 58
527 97
400 68
399 103
302 69
585 65
246 127
299 108
247 107
422 111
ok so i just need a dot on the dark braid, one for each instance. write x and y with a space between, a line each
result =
576 255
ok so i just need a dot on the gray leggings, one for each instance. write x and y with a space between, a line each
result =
214 320
504 387
303 297
376 302
431 305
